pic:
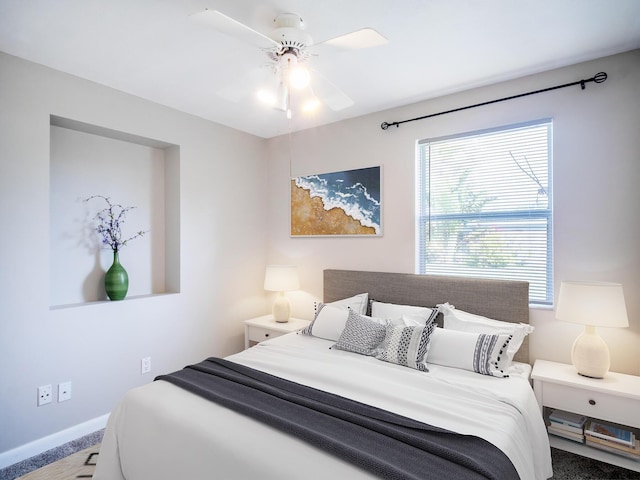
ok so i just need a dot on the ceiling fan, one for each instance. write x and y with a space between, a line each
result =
289 49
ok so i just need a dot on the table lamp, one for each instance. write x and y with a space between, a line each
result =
592 304
281 278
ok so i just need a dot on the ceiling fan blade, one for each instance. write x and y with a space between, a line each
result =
329 94
363 38
233 28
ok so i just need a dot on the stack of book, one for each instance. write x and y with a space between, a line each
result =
567 425
612 439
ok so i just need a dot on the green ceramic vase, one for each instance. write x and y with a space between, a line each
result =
116 280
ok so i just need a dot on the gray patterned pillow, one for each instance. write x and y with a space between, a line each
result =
407 346
361 334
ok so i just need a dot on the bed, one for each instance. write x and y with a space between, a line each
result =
165 431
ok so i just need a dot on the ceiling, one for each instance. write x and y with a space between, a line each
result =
155 49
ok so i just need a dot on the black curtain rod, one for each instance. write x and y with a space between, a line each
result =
598 78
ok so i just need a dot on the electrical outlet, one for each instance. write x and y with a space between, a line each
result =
64 391
145 365
44 395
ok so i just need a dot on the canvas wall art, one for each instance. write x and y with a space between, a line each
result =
337 203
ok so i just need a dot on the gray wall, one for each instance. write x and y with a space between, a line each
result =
234 218
98 346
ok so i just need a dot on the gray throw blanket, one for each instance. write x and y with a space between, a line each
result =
385 444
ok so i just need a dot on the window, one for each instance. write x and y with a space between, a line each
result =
484 206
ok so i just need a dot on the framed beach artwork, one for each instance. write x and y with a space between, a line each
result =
345 203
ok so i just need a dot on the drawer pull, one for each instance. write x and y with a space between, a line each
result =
592 402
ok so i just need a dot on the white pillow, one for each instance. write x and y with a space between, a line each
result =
328 323
394 312
357 303
468 322
330 317
478 352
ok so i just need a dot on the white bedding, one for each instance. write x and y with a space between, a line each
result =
160 431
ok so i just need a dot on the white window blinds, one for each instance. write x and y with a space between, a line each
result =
484 206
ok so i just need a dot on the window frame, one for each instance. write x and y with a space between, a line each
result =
424 217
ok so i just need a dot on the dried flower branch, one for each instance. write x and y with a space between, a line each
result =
109 224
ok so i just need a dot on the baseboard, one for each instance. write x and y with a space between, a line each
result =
41 445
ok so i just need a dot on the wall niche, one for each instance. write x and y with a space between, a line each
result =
88 160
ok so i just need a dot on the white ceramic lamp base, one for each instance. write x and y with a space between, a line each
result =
590 355
281 308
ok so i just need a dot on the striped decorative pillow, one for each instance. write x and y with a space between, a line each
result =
490 355
407 346
455 319
478 352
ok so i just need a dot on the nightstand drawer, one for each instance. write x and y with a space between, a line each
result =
600 405
263 328
257 334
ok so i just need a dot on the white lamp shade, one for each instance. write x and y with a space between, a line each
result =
598 304
281 278
593 305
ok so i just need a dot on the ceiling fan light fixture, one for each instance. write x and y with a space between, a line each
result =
296 75
282 98
311 105
299 77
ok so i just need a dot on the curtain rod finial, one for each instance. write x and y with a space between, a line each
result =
600 77
386 125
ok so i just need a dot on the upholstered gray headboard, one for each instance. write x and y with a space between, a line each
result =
499 299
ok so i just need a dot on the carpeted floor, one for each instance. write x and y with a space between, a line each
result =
567 466
75 461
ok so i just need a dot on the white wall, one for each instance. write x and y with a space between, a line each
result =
98 346
596 172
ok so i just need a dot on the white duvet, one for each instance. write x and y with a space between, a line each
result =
160 431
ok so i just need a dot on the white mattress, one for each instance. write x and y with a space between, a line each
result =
160 431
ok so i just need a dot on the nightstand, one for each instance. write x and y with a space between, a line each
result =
615 399
263 328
